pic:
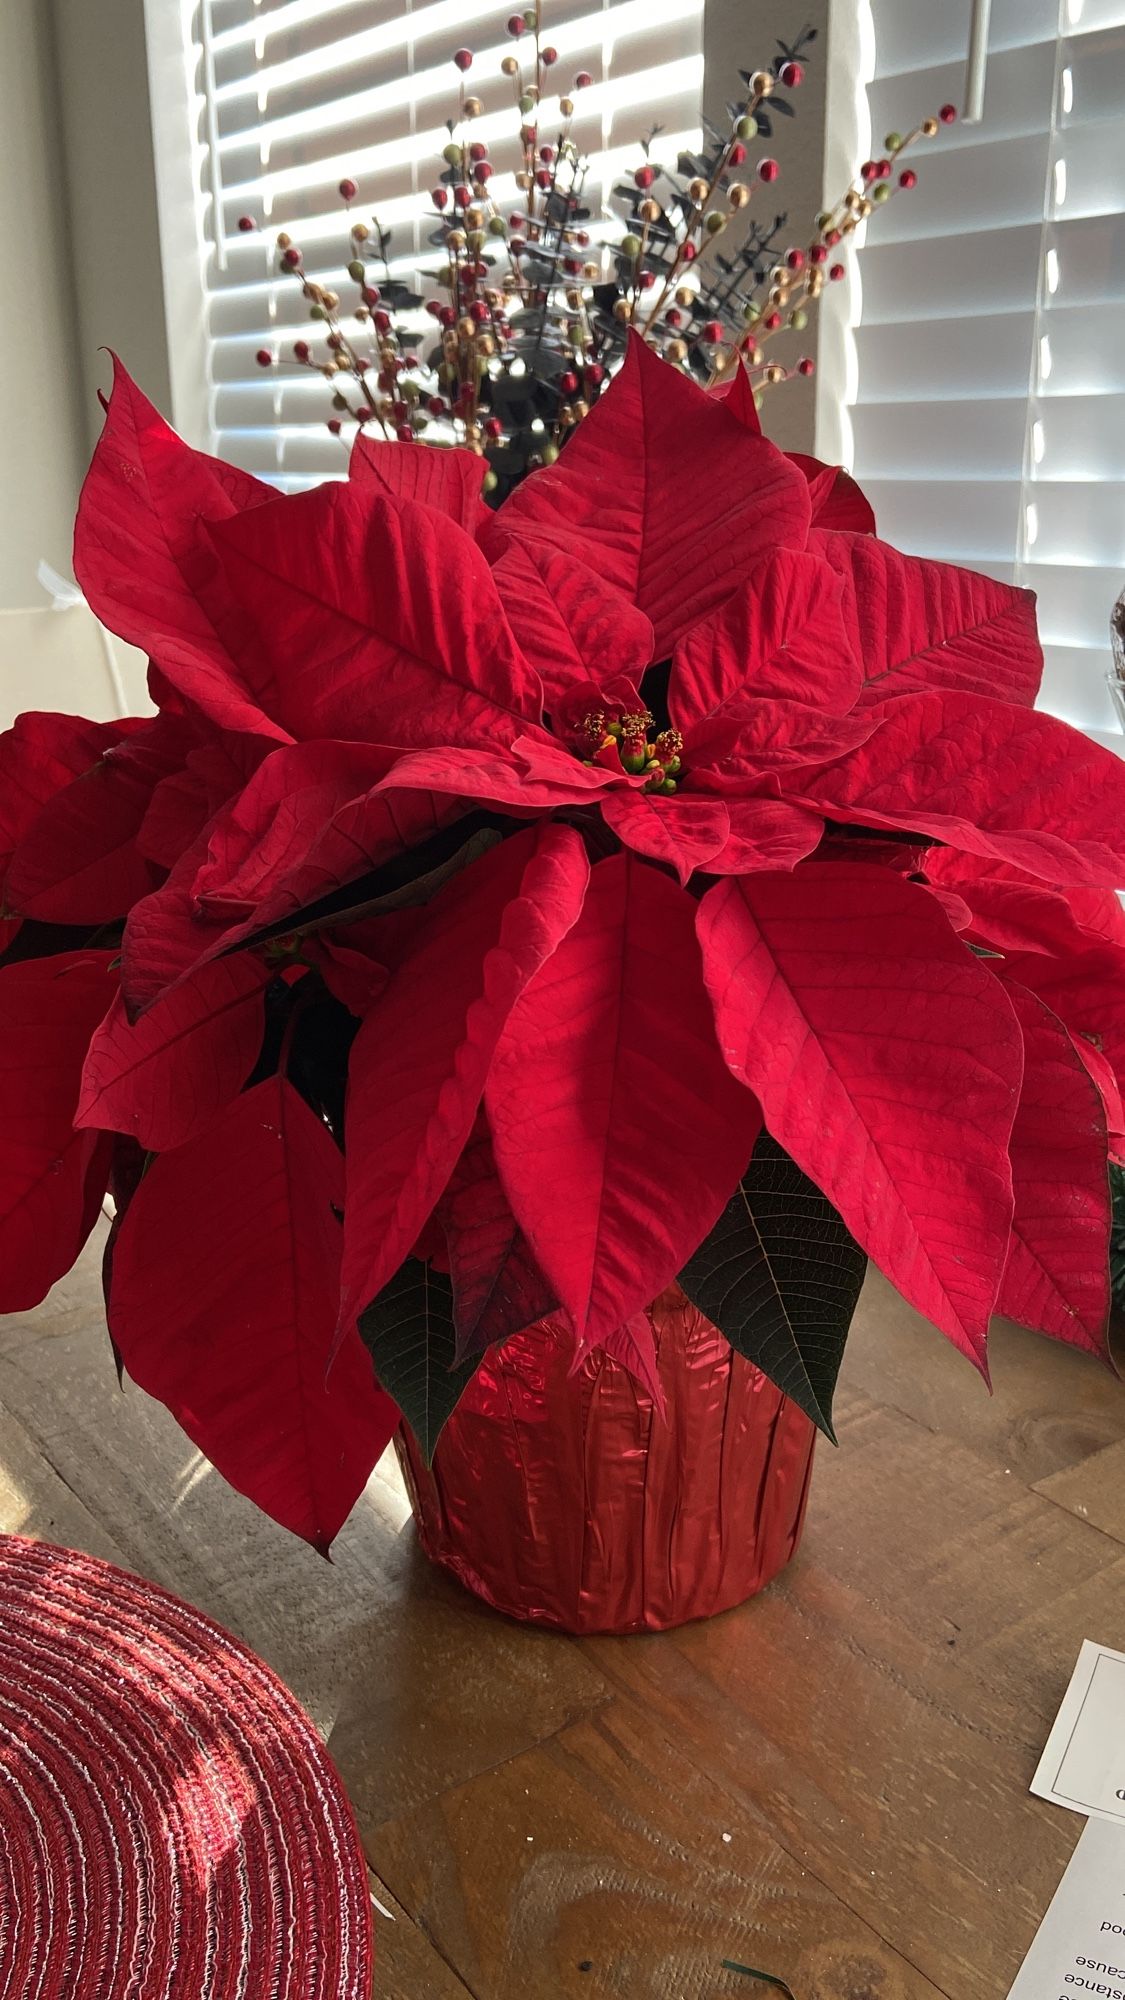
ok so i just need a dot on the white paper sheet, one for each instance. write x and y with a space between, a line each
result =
1079 1948
1083 1765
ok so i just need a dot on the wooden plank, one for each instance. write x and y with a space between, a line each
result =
36 1501
1051 1406
406 1965
445 1690
882 1707
606 1863
1095 1492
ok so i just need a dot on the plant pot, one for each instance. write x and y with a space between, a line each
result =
562 1497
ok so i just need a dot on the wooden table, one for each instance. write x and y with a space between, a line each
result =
830 1783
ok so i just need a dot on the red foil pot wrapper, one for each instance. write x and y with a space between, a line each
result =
562 1497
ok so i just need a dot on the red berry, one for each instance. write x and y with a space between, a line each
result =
771 322
548 56
768 170
572 266
440 197
868 171
543 177
364 413
737 154
836 272
795 259
264 358
478 150
301 349
689 253
436 406
447 316
674 316
348 190
291 257
462 196
818 254
463 58
493 428
433 306
516 25
404 434
478 311
645 176
568 383
713 331
595 374
517 222
582 238
482 173
246 222
948 114
647 279
805 366
832 238
371 295
335 342
335 426
546 154
883 170
583 80
382 322
908 178
792 75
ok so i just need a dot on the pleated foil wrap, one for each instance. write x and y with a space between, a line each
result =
562 1497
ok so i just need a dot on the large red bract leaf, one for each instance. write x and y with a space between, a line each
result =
619 1133
374 618
569 623
223 1301
164 1079
183 802
39 756
888 1064
916 624
498 1288
780 637
78 861
987 777
49 1196
765 833
837 501
1086 989
419 1062
685 833
449 481
1013 911
142 558
1057 1276
664 492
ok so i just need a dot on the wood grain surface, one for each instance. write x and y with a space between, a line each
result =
830 1783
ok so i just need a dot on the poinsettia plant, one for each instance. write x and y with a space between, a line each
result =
508 914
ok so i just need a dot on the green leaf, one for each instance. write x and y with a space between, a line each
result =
408 1332
780 1275
763 1978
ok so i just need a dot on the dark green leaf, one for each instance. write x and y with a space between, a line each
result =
780 1276
763 1978
408 1332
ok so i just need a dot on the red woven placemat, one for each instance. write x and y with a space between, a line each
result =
171 1827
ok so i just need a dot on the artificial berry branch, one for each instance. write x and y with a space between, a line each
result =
533 298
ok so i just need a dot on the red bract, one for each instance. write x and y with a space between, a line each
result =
660 878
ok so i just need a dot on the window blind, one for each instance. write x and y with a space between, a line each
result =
294 95
989 412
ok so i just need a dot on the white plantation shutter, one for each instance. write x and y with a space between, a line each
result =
989 412
292 96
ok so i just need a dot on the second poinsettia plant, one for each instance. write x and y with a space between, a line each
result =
509 914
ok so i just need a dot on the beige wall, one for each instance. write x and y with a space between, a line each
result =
111 195
80 252
40 378
737 36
